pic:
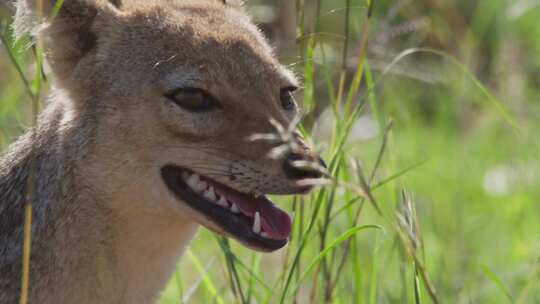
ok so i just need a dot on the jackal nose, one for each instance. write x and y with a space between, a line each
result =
298 166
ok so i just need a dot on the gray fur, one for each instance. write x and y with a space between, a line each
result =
61 203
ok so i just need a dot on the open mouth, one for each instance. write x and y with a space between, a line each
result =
254 221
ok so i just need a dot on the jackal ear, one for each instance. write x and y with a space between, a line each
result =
68 29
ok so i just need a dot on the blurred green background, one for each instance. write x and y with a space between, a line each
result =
460 82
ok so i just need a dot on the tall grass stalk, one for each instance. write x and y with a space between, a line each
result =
358 237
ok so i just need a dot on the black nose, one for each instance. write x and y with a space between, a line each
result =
299 170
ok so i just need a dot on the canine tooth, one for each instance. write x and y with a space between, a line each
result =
265 235
193 181
222 202
202 186
234 208
210 194
196 183
257 223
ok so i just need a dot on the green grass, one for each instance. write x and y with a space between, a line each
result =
439 206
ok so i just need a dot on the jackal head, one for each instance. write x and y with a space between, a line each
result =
193 113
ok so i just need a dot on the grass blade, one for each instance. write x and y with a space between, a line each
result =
346 235
497 281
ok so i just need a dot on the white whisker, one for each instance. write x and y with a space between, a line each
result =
314 182
279 151
277 125
264 137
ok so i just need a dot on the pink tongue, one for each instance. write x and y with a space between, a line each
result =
275 222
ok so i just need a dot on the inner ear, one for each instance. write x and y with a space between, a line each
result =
71 34
88 40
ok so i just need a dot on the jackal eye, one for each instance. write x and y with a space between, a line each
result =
193 99
287 98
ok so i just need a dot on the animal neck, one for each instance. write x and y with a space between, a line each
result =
112 245
146 239
147 246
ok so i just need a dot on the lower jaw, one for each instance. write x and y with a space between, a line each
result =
215 218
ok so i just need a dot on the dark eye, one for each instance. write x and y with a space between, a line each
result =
193 99
287 98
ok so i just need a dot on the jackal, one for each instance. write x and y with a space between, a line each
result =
161 118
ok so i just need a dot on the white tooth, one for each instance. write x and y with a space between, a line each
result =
234 208
197 184
223 202
257 223
210 194
265 235
193 181
202 186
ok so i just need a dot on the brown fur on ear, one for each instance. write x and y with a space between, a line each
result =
69 36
